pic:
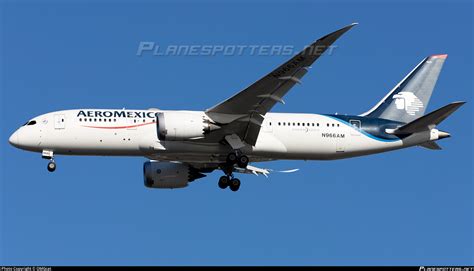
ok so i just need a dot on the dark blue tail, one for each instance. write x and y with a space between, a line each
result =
408 100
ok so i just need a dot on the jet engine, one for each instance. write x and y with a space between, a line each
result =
169 175
183 125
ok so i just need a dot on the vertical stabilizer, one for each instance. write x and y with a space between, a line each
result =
409 99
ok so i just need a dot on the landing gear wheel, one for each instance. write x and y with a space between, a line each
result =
243 161
234 184
223 182
231 158
51 166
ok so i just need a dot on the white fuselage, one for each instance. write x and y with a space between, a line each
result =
134 133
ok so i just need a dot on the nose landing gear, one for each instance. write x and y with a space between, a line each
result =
49 155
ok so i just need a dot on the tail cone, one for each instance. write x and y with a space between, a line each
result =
442 135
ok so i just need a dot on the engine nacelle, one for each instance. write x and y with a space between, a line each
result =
183 125
169 175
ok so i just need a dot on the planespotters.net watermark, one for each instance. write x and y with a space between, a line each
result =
154 49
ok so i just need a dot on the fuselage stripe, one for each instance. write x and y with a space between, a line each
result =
362 131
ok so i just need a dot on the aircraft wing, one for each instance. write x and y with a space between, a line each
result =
248 107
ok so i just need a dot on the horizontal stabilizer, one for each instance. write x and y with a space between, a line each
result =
431 145
430 120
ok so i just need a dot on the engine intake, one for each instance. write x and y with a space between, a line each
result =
169 175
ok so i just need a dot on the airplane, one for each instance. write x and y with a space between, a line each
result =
183 146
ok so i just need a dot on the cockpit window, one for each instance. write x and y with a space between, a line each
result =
33 122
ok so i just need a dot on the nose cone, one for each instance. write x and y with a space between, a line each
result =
14 141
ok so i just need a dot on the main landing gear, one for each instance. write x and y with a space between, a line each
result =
241 160
228 180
